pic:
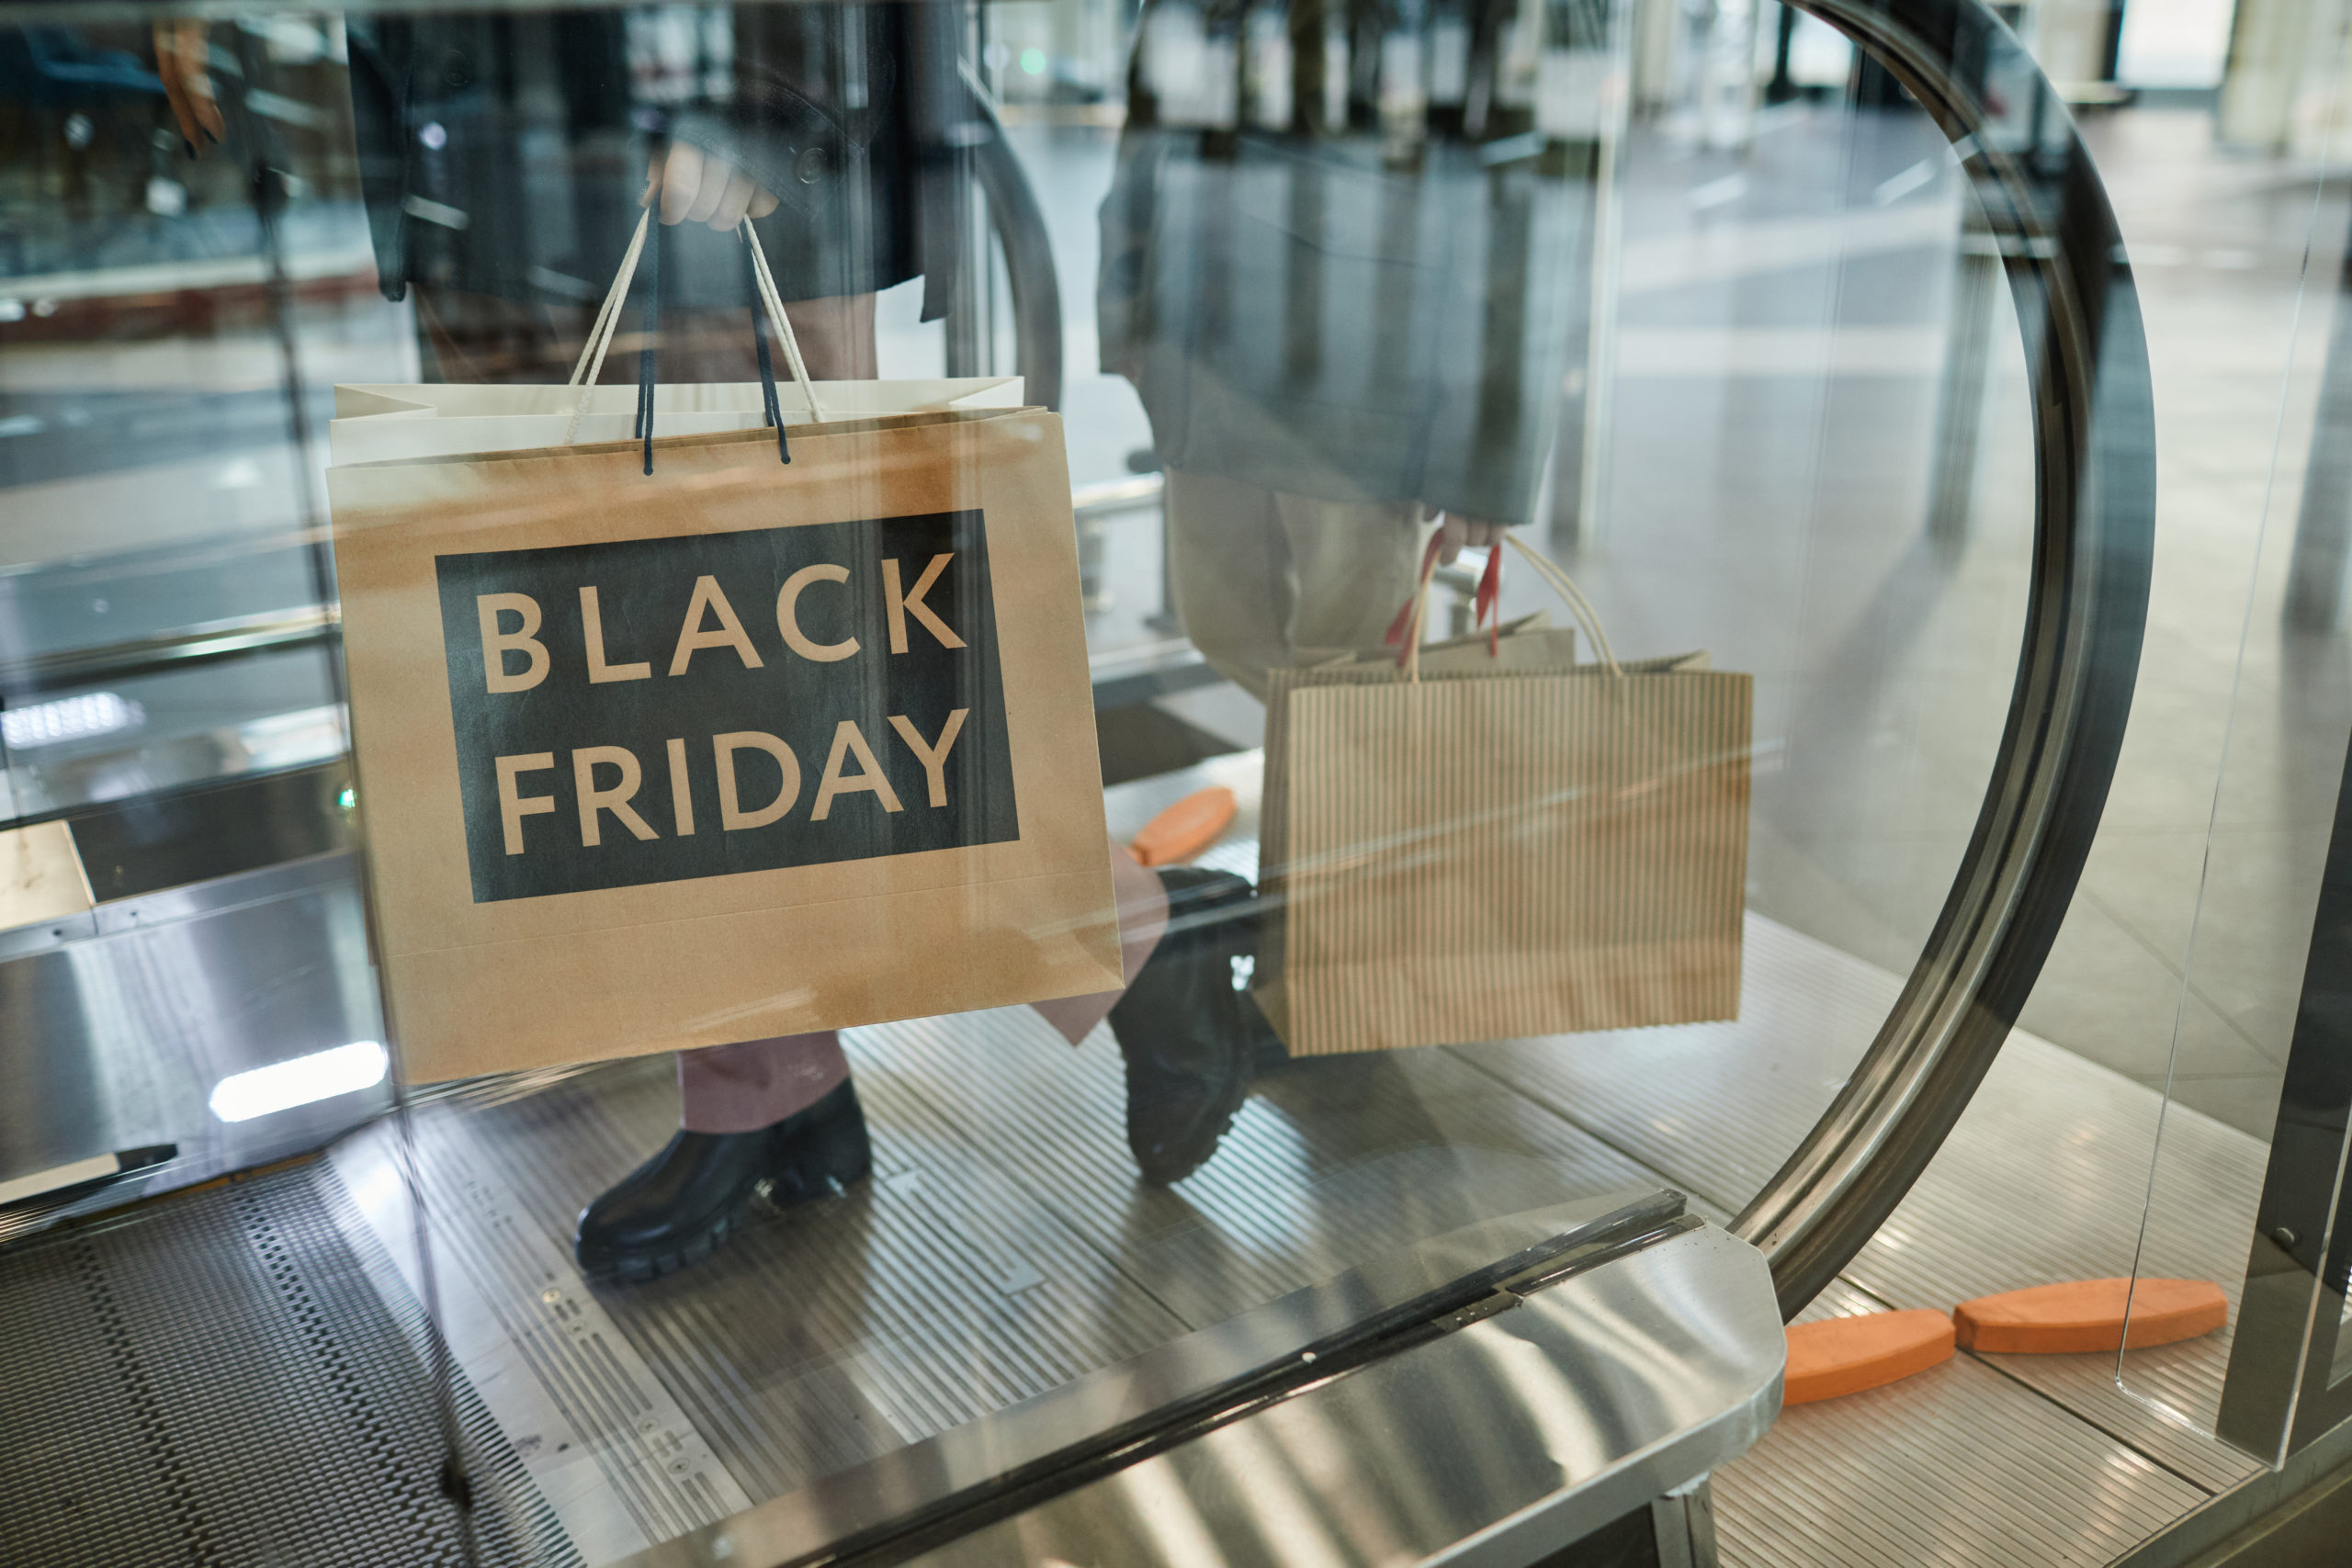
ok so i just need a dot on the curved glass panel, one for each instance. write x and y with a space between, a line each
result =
2237 900
836 713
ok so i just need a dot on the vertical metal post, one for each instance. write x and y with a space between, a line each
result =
1684 1522
2284 1386
2323 522
968 349
1968 360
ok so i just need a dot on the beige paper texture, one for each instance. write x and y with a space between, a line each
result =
483 987
1491 852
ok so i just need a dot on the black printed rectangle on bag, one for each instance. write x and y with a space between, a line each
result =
658 710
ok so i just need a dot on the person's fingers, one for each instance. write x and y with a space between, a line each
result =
188 80
681 176
653 179
711 191
1485 534
195 62
761 202
1450 534
733 203
169 68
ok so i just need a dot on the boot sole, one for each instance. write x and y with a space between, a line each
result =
837 1161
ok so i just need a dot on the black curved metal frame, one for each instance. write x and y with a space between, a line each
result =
2095 521
2095 518
1020 224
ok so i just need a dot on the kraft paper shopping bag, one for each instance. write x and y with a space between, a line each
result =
737 748
1494 848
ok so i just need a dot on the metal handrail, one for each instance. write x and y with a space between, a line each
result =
2094 534
206 642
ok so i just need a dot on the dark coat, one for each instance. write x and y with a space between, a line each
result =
505 153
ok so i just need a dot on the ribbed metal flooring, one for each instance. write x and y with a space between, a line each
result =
1005 1246
1959 1465
818 1338
2044 1179
213 1381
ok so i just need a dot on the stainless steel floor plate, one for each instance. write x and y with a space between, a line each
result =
1958 1465
1716 1106
1331 1163
819 1338
216 1382
1005 1246
2046 1178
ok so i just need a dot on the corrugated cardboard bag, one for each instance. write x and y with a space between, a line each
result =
1475 848
740 748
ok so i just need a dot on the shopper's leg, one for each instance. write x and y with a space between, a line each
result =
775 1116
1355 565
1190 1041
1228 572
466 336
836 337
757 1083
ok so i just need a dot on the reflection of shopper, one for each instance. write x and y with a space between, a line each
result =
1334 332
503 159
783 1113
500 154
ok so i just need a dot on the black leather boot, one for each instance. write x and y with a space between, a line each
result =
1191 1039
677 1207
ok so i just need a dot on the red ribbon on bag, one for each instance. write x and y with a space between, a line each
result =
1489 600
1404 621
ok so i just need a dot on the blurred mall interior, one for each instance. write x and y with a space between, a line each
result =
1875 1092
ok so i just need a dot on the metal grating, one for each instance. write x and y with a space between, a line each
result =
1958 1465
2090 1135
1333 1162
208 1371
2045 1177
1717 1106
819 1337
1006 1246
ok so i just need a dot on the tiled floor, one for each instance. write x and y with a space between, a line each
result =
1882 656
2239 723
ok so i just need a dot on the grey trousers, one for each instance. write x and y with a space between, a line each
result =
1266 580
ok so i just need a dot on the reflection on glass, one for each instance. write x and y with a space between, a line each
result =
1621 862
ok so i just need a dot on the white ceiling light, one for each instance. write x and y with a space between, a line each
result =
281 1086
68 719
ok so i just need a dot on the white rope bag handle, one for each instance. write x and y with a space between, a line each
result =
1549 569
600 337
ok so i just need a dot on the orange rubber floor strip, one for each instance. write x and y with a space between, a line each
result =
1187 828
1847 1355
2088 1314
